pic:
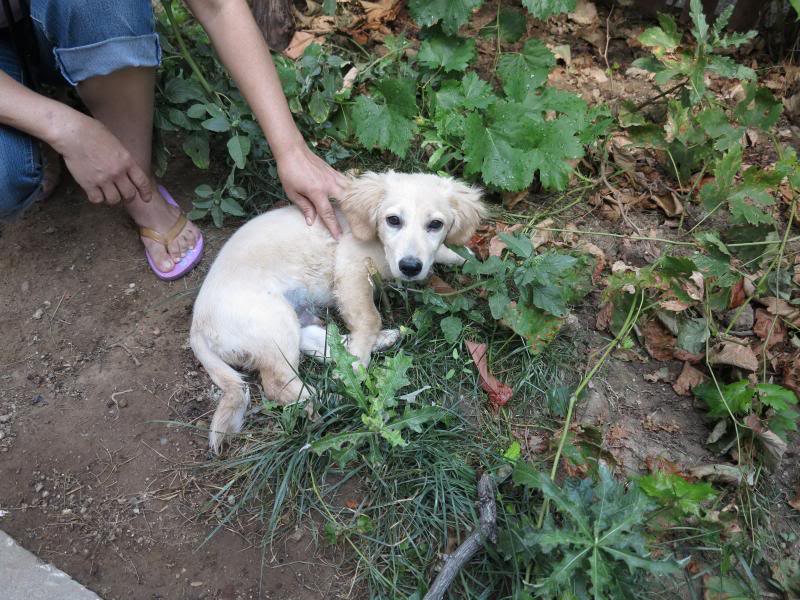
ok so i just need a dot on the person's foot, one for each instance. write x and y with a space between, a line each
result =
161 217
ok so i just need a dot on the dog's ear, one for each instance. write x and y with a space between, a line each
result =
468 211
360 204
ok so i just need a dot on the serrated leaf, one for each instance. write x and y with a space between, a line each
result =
673 490
379 126
542 9
239 149
196 147
776 396
736 397
537 327
499 163
759 108
511 24
452 14
523 72
663 41
450 53
557 144
451 328
518 244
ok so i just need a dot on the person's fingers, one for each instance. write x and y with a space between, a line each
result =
142 182
95 195
111 193
126 188
305 206
327 214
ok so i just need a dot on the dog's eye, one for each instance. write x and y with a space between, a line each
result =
393 221
435 225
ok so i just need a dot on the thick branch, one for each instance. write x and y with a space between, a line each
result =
487 531
274 17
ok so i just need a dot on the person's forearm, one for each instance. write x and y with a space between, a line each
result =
242 49
34 114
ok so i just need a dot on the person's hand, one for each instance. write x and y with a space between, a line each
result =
99 163
310 183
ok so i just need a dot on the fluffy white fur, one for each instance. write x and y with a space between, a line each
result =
255 310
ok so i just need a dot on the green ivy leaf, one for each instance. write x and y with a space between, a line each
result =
542 9
449 53
452 14
387 126
239 149
232 207
488 153
218 124
196 147
511 24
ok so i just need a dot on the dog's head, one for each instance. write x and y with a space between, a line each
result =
412 215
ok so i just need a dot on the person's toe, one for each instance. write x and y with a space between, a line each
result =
159 255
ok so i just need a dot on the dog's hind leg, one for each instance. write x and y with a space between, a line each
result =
314 341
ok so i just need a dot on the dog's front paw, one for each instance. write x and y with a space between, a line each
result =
226 420
386 339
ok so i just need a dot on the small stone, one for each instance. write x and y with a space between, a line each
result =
50 230
122 403
5 418
163 441
45 494
39 487
26 287
745 320
38 399
196 583
131 285
38 314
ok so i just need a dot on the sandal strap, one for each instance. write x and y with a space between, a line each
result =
165 238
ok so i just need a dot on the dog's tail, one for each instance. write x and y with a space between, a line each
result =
229 415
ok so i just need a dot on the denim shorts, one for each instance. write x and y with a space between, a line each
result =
77 40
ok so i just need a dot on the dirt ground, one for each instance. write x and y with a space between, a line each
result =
93 361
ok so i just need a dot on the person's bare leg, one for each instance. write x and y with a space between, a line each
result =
123 102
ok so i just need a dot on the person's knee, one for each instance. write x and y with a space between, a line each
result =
20 179
70 23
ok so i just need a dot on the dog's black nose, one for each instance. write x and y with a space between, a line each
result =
410 266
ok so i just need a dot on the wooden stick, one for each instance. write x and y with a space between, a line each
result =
487 531
274 18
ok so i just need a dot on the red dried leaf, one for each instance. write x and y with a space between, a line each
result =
439 285
738 295
687 380
795 504
769 326
659 342
499 393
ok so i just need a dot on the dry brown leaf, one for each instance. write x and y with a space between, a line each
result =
298 44
439 285
688 380
496 245
673 305
769 328
381 12
778 306
585 13
349 78
795 504
499 393
543 233
791 374
737 355
604 317
511 199
737 295
720 473
686 356
659 342
774 446
670 204
623 153
661 375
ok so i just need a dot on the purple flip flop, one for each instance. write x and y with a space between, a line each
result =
192 257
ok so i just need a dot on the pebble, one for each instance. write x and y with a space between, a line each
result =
5 418
38 314
122 403
39 487
196 583
25 287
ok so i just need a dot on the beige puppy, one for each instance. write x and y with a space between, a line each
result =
256 309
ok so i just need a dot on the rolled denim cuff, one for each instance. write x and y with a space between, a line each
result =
82 62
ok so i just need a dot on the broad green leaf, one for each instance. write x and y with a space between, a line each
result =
736 397
796 6
197 111
536 326
518 244
452 14
727 67
498 303
196 147
239 149
379 126
499 163
542 9
526 475
204 191
179 90
700 30
718 126
451 327
759 108
692 334
511 23
477 93
557 144
521 73
776 396
231 207
450 53
319 108
665 38
218 124
675 491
